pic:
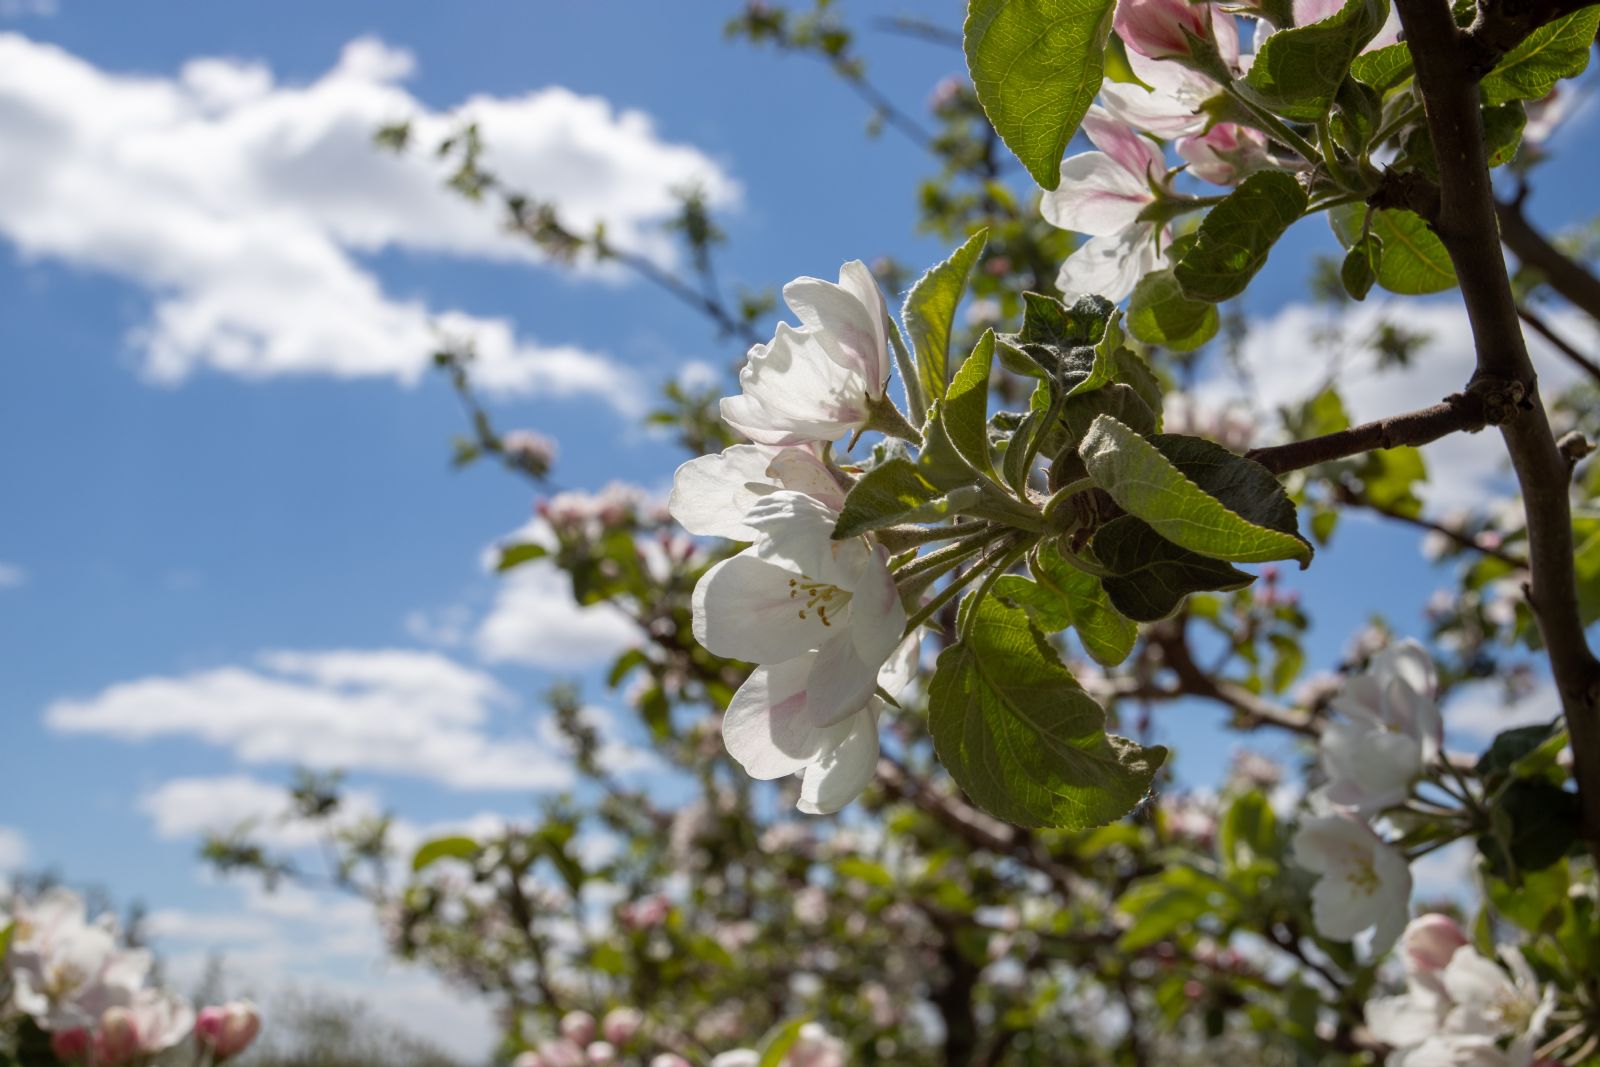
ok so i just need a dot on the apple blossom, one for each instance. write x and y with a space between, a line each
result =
153 1022
621 1024
822 380
528 1059
1390 731
738 1057
70 1046
669 1059
601 1053
1426 947
1163 29
1174 103
1488 1000
1363 883
1102 194
711 494
117 1039
1225 153
815 1047
228 1029
565 1051
824 615
67 971
578 1026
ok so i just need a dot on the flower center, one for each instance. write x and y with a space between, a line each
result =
819 598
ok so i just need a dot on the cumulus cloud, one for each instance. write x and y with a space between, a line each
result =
11 575
398 712
1479 710
241 203
1284 367
188 807
535 621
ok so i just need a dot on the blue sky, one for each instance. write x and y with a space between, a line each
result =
219 448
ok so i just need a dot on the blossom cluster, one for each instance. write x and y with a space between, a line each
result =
1386 735
1460 1005
77 981
1122 195
584 1043
820 618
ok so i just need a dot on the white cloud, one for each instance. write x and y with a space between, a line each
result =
1477 711
12 576
398 712
13 849
240 203
535 621
187 807
1285 367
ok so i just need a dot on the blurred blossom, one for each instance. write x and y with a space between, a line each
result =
983 311
533 450
637 915
811 906
620 1025
601 1053
1362 883
1255 769
578 1027
228 1029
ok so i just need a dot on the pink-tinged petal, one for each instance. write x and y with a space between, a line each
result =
840 682
799 470
848 320
766 728
1159 113
745 608
1097 196
1225 153
795 531
793 392
1135 154
1111 266
877 617
710 494
1160 29
844 771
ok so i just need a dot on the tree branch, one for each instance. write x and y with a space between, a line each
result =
1447 77
1559 343
1355 498
1501 25
1470 411
1562 273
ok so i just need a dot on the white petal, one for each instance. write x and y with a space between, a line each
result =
901 670
793 391
1110 266
850 317
711 494
841 775
1404 1020
840 681
799 470
766 728
745 608
1097 196
796 531
877 618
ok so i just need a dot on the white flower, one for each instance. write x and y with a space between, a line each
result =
1172 106
1225 153
1460 1017
738 1057
152 1022
818 382
1426 948
797 593
1489 1001
1363 882
66 972
1102 194
711 494
1390 732
815 1047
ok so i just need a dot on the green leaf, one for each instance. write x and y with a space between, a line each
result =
1511 746
1060 595
1135 373
1169 902
1195 494
1236 235
6 933
1538 904
930 309
777 1042
1119 401
894 491
1383 68
1248 831
864 869
1414 262
1388 478
1502 131
1297 71
516 555
552 845
966 406
1159 314
1015 461
1151 575
1550 53
1541 822
1019 735
1036 66
431 852
1360 269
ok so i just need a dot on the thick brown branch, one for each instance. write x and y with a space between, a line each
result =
1470 411
1446 76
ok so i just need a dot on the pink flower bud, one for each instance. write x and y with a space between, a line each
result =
1429 942
117 1041
621 1024
1162 29
578 1027
601 1053
228 1029
70 1046
565 1051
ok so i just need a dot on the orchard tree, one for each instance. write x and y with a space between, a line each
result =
931 573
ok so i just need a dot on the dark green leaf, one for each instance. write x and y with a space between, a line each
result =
1383 68
1151 575
1159 314
1360 269
894 491
1236 235
1019 735
1036 66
